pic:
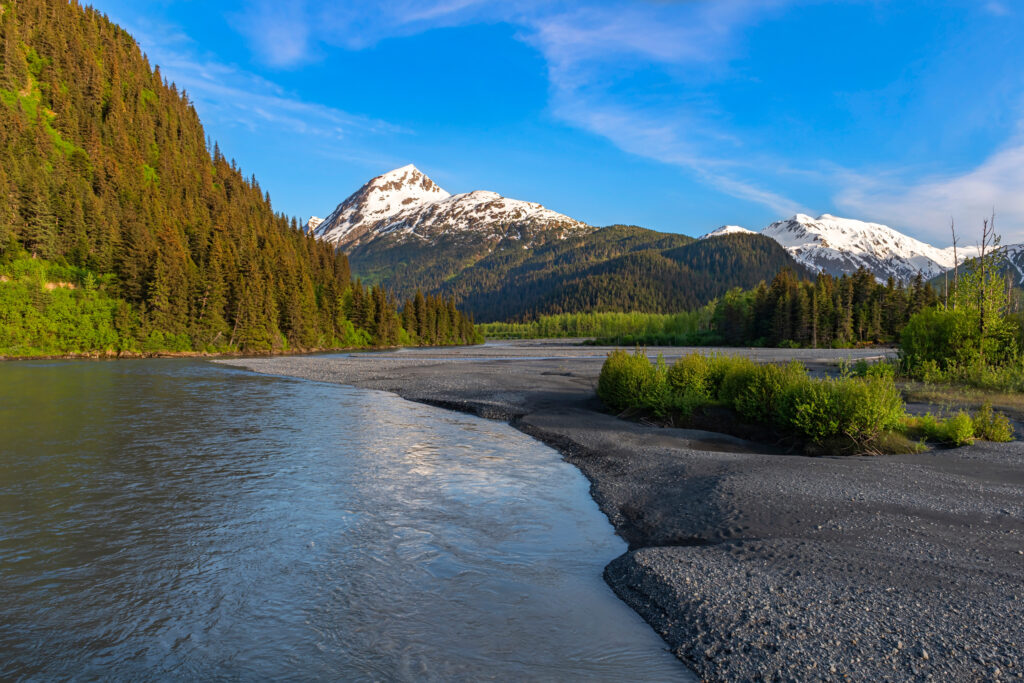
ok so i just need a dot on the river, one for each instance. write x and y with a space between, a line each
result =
177 519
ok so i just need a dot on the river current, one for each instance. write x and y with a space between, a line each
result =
177 519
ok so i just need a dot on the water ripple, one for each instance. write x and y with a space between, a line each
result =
176 519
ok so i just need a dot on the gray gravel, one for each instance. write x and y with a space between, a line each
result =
751 564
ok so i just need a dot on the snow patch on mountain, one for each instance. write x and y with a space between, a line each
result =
837 245
406 204
1015 262
727 230
313 223
381 198
840 245
483 213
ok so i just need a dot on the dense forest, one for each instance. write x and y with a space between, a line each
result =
123 228
615 269
820 312
790 310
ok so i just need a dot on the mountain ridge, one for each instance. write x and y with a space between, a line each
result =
407 205
836 245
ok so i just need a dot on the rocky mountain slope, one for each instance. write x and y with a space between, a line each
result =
1015 262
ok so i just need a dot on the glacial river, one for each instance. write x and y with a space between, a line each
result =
176 519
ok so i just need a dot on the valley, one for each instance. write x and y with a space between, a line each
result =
444 433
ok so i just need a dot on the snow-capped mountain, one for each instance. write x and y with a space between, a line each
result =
406 204
385 196
727 230
313 223
842 245
1015 260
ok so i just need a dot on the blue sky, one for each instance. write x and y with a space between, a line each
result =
677 116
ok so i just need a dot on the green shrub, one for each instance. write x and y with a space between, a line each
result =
811 410
765 384
930 427
862 368
940 336
960 429
734 378
992 426
723 366
632 381
939 345
859 409
691 375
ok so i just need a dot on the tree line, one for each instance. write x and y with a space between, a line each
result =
614 269
105 167
820 312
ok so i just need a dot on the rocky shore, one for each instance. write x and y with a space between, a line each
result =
754 564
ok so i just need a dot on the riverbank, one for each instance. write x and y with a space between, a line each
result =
122 355
752 564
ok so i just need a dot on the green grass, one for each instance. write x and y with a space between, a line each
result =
617 328
861 413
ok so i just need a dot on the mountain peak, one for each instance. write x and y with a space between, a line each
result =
841 245
727 230
406 204
382 197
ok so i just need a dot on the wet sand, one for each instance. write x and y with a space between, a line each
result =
753 564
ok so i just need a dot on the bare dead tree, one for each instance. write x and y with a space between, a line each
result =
956 261
945 289
989 243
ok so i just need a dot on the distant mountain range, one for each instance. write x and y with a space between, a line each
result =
507 258
842 245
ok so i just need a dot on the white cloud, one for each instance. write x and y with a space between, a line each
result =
587 48
927 206
999 9
660 140
277 31
591 49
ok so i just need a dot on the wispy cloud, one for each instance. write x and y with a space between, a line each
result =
587 47
657 139
285 33
589 50
927 206
999 9
278 31
592 51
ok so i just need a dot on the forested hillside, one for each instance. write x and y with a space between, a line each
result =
619 268
107 180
